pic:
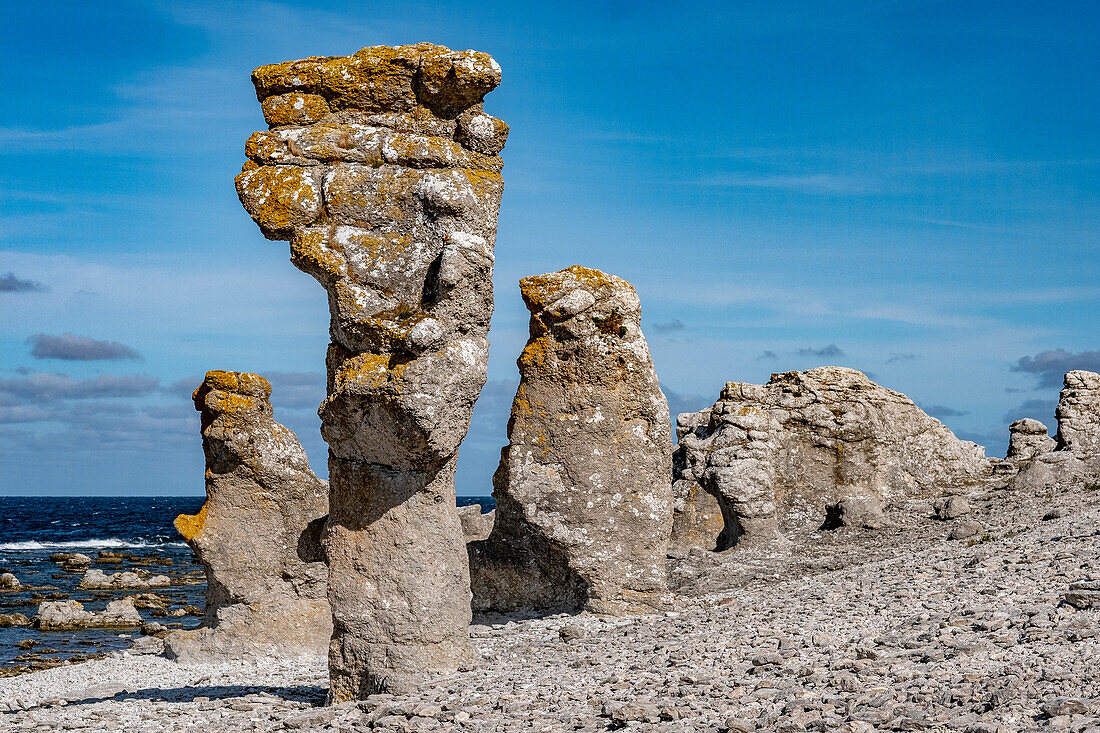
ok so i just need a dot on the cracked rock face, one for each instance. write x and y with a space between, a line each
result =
258 533
382 171
777 454
1079 414
583 489
1028 438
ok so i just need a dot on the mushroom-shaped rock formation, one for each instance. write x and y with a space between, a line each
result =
776 455
382 170
258 534
583 489
1028 438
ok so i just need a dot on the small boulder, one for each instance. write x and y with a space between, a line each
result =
475 525
855 511
951 507
71 560
9 582
59 615
966 529
8 620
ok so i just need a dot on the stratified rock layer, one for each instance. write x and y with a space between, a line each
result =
382 170
257 535
1079 414
779 453
583 489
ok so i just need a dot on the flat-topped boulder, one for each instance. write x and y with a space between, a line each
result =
258 534
382 170
778 454
583 489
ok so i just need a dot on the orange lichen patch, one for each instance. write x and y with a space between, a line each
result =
244 383
485 183
535 353
190 525
313 251
280 198
303 75
374 79
370 371
294 108
451 81
540 291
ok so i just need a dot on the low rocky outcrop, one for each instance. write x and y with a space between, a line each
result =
8 581
583 490
697 516
71 561
777 454
1028 438
1075 460
95 579
61 615
258 534
9 620
382 170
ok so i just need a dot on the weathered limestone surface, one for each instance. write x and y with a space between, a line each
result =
779 453
382 170
583 489
257 535
1079 414
475 525
1027 439
697 516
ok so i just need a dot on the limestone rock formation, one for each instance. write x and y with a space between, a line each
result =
777 454
583 489
697 516
58 615
1027 439
257 535
95 579
1078 414
382 170
475 525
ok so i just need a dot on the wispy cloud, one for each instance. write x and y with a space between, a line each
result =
70 347
813 183
9 283
824 351
1051 366
667 327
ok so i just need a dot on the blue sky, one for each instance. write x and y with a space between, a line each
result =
907 188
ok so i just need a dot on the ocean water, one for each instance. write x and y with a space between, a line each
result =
133 533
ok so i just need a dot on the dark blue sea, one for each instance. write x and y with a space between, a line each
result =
118 533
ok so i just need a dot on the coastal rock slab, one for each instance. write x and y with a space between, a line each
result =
1078 414
777 454
257 535
584 497
95 579
382 171
59 615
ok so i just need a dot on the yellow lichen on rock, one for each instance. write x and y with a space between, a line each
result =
190 525
294 109
280 198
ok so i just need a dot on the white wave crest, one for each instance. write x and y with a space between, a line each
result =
83 544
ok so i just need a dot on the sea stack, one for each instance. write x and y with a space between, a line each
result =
258 533
781 453
382 171
583 489
1078 414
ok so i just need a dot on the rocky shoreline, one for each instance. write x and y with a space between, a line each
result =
857 630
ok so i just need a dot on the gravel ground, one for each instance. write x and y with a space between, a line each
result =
895 629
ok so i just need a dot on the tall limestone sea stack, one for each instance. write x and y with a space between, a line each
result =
382 170
258 533
583 489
